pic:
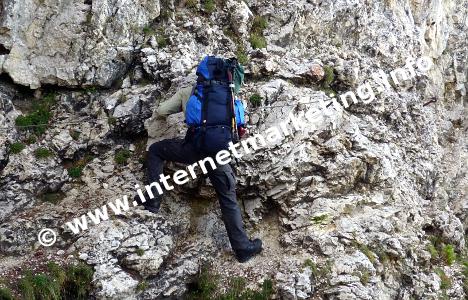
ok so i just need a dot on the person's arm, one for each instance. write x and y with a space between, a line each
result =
175 103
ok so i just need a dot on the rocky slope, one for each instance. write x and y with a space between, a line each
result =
369 203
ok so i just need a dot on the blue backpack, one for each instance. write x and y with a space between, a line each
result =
212 113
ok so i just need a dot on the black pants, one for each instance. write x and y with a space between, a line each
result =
222 178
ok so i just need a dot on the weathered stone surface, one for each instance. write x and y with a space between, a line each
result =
347 206
72 43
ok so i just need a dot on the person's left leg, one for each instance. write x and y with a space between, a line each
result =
224 182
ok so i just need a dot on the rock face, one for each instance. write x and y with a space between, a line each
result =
71 43
364 202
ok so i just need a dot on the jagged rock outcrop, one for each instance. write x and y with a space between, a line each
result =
349 207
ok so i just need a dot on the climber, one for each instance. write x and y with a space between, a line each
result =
215 118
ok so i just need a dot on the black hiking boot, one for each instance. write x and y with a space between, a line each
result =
151 205
254 248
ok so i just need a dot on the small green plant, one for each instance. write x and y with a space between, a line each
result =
192 4
31 139
256 100
111 120
319 219
209 6
148 30
257 41
445 281
259 24
42 153
242 57
449 254
313 266
39 118
142 285
90 90
5 294
52 197
364 277
75 134
122 98
161 40
140 252
367 252
329 76
465 276
206 286
16 147
75 172
433 251
78 282
122 156
39 286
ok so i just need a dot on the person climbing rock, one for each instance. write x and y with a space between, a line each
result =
214 118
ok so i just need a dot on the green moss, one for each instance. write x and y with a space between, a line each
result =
256 100
445 281
16 147
140 252
5 294
449 254
42 153
329 76
121 157
38 119
257 41
319 219
209 6
142 285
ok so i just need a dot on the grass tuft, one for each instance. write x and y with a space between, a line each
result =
445 281
121 157
140 252
206 286
256 100
16 147
449 254
43 153
5 294
209 6
38 120
257 41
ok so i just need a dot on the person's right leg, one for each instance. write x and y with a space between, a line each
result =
176 150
